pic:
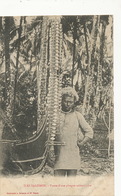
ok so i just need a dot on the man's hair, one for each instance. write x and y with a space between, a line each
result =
69 91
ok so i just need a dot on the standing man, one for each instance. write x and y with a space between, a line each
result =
71 125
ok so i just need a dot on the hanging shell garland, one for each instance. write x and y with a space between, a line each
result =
49 76
54 95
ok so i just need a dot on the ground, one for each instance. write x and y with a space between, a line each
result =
89 166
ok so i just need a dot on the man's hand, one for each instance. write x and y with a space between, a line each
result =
81 143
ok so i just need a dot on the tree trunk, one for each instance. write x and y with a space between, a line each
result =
17 61
86 43
42 72
7 67
88 82
100 49
9 89
74 48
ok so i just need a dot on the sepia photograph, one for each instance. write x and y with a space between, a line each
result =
56 97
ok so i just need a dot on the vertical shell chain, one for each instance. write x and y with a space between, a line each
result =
54 95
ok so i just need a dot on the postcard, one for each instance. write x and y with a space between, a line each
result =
57 104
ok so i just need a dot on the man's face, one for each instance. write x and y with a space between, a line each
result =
67 103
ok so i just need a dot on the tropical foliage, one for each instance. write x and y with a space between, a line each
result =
87 65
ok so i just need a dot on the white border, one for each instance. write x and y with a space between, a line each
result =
82 7
58 7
